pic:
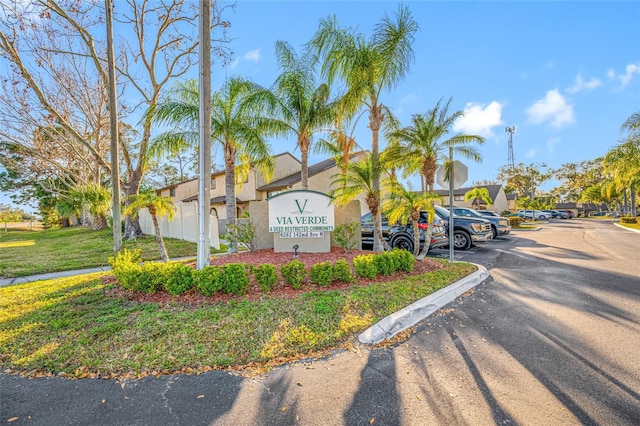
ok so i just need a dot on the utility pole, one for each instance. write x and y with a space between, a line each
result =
204 143
510 161
116 215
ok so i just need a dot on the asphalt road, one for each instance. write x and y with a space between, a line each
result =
552 337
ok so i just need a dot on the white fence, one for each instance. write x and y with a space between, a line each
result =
184 225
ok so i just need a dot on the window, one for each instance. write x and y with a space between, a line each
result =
213 183
172 192
458 198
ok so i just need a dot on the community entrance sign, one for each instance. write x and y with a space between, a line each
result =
302 218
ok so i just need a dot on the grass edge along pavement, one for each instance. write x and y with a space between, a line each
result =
73 328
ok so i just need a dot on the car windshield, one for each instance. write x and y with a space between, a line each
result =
444 212
467 212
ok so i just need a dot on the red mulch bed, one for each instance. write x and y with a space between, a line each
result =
281 290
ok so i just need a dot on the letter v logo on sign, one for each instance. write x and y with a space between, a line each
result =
301 209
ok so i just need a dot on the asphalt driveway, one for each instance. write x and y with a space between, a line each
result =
551 337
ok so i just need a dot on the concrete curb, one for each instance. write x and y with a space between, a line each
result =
417 311
625 228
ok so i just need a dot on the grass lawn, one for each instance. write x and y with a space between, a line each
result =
73 326
630 225
24 252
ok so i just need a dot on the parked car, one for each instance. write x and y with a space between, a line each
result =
488 213
466 230
401 236
557 214
535 214
499 225
569 212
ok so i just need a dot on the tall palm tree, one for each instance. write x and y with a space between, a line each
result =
402 204
157 206
301 104
418 148
239 125
478 194
358 180
368 67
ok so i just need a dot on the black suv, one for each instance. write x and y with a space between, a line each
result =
401 236
466 230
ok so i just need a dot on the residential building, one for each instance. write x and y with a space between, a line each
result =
496 192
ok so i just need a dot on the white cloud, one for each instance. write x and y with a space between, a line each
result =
629 72
581 85
628 75
479 119
551 144
553 109
250 56
531 153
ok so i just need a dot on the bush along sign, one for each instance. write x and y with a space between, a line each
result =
303 218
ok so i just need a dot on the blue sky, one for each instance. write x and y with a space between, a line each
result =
566 74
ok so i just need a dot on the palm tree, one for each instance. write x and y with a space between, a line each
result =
356 181
478 194
157 206
340 144
301 104
402 204
238 124
623 163
417 148
367 67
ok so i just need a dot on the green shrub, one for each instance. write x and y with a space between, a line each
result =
345 235
179 278
293 273
342 271
515 221
244 231
405 259
151 277
208 280
505 213
266 276
638 220
125 268
628 219
383 262
321 273
365 266
235 280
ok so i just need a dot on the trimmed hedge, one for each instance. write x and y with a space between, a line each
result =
629 219
233 278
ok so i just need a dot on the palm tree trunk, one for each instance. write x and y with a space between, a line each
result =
230 198
634 210
303 143
427 241
416 238
159 240
375 121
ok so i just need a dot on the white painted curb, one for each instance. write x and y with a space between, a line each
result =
419 310
625 228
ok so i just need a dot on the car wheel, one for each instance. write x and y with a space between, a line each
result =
461 240
403 243
494 232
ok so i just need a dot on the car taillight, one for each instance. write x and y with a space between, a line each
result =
423 226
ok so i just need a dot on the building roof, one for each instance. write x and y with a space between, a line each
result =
493 191
289 181
219 173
